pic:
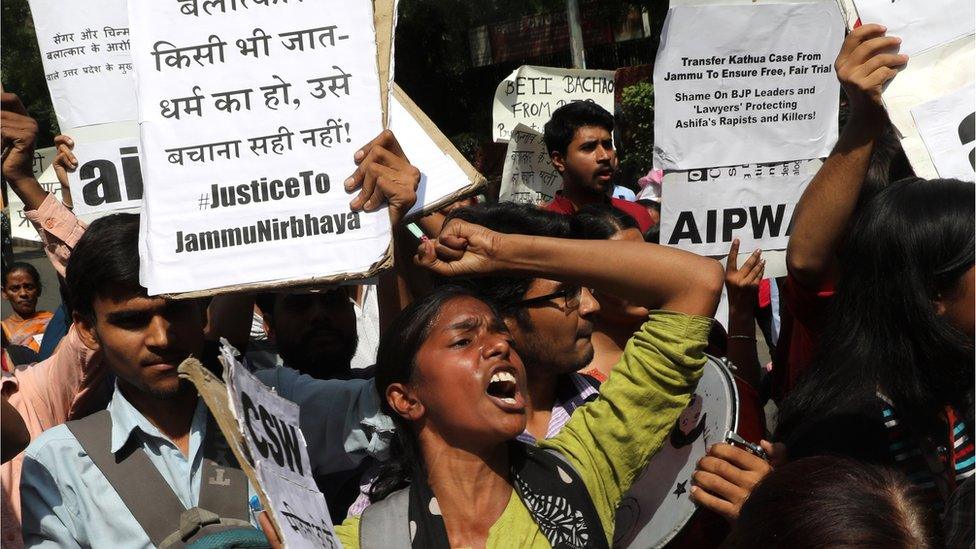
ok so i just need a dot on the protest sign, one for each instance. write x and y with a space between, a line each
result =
743 84
927 77
249 118
530 94
85 53
946 125
702 211
272 434
920 26
528 176
445 175
108 177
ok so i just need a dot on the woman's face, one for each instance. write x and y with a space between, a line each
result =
468 377
21 290
957 304
614 310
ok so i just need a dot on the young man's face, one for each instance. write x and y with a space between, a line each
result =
315 332
557 336
589 162
144 339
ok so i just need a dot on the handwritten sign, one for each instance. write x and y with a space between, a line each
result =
528 176
743 84
270 428
85 53
249 118
702 211
530 95
921 25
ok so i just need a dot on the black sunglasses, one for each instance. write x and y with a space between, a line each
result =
571 293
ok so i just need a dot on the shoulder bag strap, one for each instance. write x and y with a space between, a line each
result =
386 524
142 489
223 485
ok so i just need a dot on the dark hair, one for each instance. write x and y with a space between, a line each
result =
26 267
509 218
910 244
266 302
395 361
830 501
887 162
107 256
600 222
559 131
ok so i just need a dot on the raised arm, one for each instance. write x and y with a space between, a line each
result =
864 65
654 276
19 131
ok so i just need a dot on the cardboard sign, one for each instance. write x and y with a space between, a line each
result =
744 84
85 53
530 95
528 176
272 434
249 118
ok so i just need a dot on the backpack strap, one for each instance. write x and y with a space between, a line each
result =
386 523
223 485
132 475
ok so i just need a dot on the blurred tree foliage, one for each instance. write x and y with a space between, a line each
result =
20 67
637 107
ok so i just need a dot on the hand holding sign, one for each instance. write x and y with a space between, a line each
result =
385 175
865 64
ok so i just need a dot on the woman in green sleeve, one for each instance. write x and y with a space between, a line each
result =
449 377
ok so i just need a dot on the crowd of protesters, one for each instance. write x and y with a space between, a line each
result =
514 373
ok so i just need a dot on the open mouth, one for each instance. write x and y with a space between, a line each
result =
503 390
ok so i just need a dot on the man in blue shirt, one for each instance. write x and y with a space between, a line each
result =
66 499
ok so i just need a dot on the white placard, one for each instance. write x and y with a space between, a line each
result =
921 26
85 53
704 217
530 95
528 176
249 119
928 76
947 125
271 430
108 177
743 84
440 175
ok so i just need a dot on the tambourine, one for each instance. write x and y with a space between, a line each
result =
657 506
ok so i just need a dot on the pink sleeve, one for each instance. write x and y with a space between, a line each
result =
53 388
59 230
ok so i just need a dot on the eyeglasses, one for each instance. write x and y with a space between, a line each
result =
571 293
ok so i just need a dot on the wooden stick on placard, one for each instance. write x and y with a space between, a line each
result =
384 17
214 394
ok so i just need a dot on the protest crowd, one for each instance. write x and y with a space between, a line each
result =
523 374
